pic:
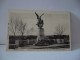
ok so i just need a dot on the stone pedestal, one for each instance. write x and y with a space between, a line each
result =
40 34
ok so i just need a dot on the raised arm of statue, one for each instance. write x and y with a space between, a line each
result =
37 15
41 15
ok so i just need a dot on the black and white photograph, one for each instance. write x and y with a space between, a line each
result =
33 30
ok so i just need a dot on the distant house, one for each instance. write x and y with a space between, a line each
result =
19 41
59 38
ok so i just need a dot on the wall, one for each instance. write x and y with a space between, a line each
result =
72 6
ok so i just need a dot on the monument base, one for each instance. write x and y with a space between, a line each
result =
40 35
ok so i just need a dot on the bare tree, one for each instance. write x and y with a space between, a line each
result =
16 25
13 25
22 27
59 30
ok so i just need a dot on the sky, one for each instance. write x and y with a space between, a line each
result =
51 21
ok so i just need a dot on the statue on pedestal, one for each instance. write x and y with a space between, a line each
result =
40 24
